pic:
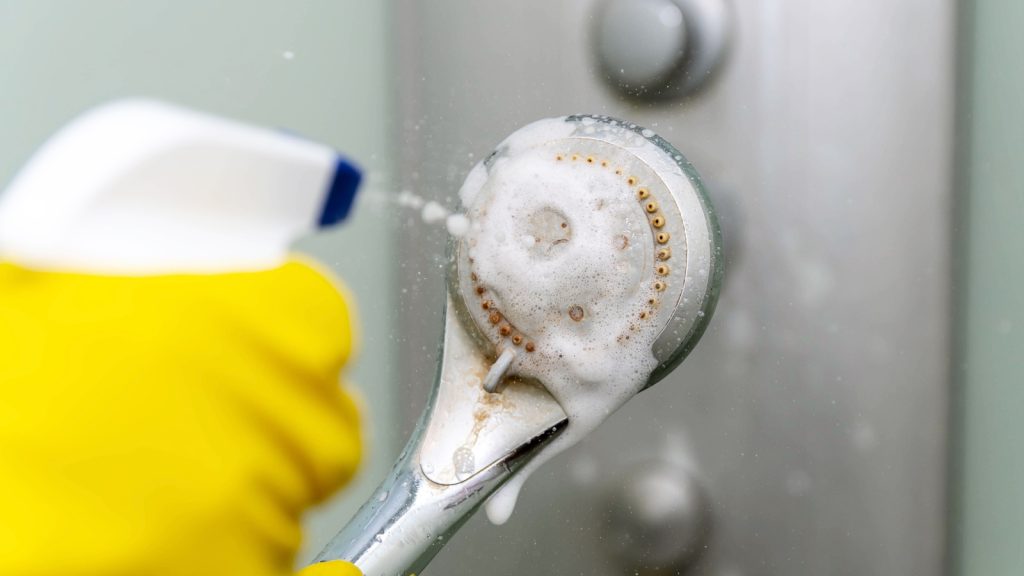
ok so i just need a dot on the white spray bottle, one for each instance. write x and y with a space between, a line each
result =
142 187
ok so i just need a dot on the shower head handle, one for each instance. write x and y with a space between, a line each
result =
450 465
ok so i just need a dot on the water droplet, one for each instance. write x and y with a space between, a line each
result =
464 461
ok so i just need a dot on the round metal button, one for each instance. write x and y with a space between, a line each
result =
659 48
657 519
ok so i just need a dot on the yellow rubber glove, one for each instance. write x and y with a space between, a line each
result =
333 568
169 425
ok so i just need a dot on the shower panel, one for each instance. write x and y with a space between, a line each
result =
806 434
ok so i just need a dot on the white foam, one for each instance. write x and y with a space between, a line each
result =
457 224
549 238
433 212
410 200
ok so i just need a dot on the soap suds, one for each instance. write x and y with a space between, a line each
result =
432 212
410 200
457 224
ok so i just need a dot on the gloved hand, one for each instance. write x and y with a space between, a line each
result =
333 568
170 424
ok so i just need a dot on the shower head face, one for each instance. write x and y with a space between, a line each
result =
593 253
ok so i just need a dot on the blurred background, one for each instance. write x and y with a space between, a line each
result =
855 407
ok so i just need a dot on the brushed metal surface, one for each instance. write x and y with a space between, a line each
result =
815 406
681 45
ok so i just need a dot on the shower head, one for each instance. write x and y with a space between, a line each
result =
590 269
586 227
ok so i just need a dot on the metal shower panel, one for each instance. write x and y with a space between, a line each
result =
813 413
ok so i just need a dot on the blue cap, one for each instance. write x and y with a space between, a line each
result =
341 193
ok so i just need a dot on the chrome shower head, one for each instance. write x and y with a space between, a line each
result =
590 270
561 192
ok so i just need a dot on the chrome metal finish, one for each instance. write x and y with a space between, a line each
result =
409 518
468 429
435 485
660 49
815 404
476 434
